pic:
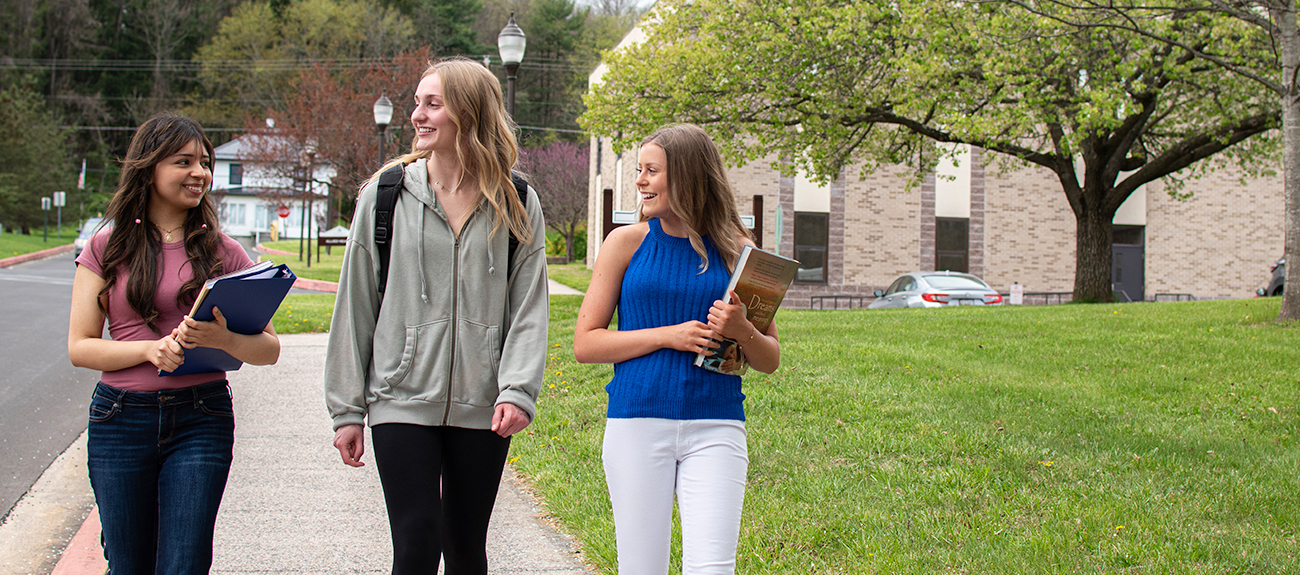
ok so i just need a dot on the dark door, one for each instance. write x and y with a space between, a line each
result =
1127 272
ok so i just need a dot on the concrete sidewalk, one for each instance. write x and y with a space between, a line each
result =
291 506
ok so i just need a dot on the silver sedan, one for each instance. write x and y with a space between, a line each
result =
936 289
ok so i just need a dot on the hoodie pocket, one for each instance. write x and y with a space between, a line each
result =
422 366
478 355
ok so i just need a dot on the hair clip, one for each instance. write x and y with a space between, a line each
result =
137 220
204 226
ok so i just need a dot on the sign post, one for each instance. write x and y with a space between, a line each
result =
45 207
1017 294
60 198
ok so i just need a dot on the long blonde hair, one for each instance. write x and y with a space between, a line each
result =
699 193
485 144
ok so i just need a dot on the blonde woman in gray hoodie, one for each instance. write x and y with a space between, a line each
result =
445 364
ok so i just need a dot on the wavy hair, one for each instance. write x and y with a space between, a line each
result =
699 192
135 247
485 142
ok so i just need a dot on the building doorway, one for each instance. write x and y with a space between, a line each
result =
1128 263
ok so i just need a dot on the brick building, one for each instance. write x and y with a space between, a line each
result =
857 235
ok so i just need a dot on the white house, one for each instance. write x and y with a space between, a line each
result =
243 212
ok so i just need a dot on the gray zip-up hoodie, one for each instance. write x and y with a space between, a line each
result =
457 332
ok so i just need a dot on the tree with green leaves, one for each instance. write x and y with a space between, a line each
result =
33 160
1260 43
826 84
258 54
444 27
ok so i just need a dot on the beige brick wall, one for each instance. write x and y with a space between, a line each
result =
1218 243
882 227
1028 231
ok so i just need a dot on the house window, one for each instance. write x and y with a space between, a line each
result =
236 174
811 238
952 244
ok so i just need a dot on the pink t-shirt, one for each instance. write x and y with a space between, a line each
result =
124 324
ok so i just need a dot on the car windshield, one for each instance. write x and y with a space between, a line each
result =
955 282
89 228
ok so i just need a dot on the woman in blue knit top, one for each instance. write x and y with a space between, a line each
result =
674 428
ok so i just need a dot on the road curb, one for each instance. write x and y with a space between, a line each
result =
15 260
84 554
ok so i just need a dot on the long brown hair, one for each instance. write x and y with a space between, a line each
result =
699 192
485 142
134 244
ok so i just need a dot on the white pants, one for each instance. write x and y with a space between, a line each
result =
704 462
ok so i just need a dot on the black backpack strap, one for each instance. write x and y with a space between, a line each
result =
521 188
390 186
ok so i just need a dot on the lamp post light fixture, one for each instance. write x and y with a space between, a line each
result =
511 42
383 115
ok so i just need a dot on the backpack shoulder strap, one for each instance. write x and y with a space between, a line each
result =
521 188
390 186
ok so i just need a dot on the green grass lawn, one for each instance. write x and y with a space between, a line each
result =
327 268
1127 438
1153 438
14 244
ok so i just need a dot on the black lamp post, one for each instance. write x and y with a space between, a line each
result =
511 42
383 115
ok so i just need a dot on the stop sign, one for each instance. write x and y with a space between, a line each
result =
282 211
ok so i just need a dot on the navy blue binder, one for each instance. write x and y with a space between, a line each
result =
248 299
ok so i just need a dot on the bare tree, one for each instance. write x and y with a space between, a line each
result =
161 22
558 171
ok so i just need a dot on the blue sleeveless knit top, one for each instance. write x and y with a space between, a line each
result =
662 286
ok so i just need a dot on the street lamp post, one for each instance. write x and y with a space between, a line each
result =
511 42
383 115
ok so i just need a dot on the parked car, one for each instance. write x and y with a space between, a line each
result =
1278 281
936 289
87 230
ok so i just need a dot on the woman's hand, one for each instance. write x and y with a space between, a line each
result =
728 319
509 419
351 443
691 337
192 333
165 354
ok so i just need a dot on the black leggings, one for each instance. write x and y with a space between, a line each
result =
428 522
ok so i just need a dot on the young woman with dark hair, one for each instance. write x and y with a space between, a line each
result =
449 366
674 428
159 448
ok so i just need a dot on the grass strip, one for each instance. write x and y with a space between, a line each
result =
14 244
327 268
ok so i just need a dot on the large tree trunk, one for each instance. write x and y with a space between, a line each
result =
1092 260
1290 45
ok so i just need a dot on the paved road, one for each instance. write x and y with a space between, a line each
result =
43 399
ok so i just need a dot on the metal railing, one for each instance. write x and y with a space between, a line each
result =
819 301
1174 297
1041 297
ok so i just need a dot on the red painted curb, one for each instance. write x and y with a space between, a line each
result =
266 250
316 285
83 556
14 260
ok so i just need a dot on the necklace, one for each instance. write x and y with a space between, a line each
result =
167 235
440 185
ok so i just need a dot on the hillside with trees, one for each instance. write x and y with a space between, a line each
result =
81 74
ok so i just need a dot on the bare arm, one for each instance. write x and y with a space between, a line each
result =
594 342
86 345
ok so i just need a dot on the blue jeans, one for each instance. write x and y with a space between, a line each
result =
158 465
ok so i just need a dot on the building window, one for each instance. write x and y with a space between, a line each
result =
811 238
236 174
952 244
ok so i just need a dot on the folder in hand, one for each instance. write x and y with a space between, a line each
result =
248 298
